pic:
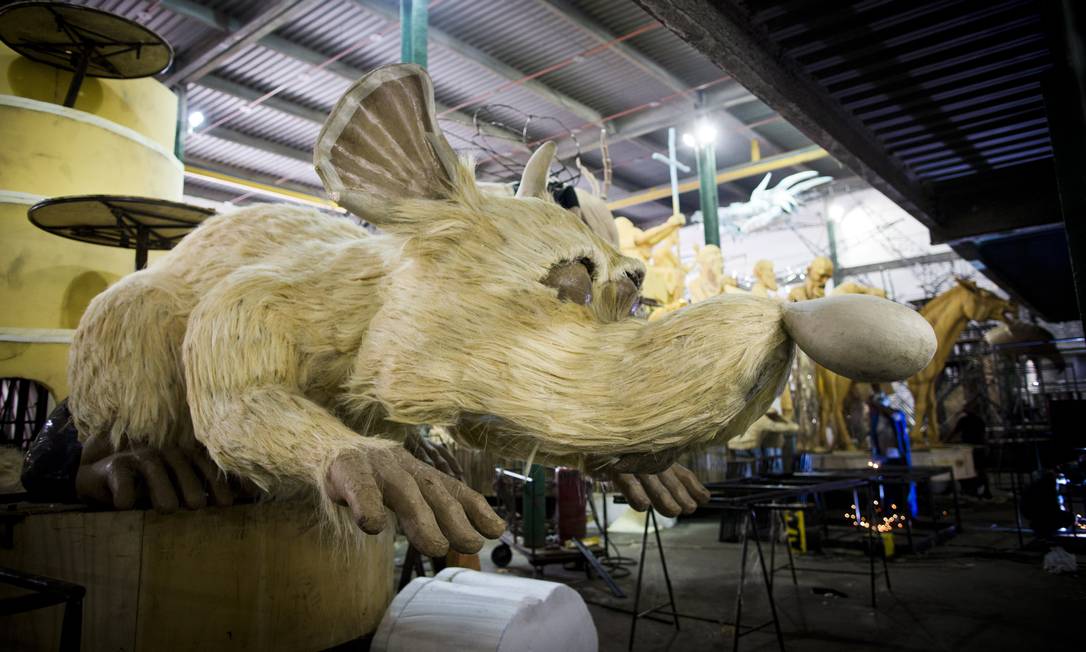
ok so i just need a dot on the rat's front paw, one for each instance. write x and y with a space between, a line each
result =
674 491
436 511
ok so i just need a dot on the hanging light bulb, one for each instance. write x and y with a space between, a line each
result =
706 134
196 118
836 211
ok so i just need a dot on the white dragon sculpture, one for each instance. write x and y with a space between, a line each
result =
767 204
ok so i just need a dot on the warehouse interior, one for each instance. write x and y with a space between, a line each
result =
542 324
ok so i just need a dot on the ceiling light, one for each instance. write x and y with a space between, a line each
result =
706 133
836 211
196 118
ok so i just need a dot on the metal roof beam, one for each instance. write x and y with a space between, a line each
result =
874 268
316 116
205 15
491 63
233 136
287 48
249 94
582 21
670 115
236 39
301 53
725 34
252 175
996 202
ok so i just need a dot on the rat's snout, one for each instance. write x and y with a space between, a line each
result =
862 337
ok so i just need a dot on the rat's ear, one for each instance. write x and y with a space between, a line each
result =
381 144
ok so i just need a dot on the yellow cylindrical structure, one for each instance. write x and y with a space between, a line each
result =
118 139
214 565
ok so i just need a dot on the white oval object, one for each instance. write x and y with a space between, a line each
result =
862 337
462 609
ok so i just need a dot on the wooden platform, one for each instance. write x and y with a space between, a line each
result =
959 457
252 577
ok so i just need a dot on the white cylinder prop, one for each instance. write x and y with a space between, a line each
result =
462 609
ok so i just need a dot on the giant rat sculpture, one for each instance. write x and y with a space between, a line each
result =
276 336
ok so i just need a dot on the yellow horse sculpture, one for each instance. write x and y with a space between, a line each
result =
948 314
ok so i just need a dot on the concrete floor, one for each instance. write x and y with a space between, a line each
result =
974 592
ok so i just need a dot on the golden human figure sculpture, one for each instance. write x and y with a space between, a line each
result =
666 254
814 284
711 279
638 243
765 279
665 278
664 274
948 314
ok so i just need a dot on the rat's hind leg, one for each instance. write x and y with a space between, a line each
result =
125 363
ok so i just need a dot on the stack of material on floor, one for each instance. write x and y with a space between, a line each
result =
461 609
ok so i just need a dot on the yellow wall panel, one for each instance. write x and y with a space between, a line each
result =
117 140
143 105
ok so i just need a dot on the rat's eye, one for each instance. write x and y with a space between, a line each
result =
572 279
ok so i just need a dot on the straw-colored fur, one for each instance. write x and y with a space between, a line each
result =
301 331
275 336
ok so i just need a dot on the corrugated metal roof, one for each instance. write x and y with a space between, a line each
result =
216 150
259 121
534 42
604 83
342 26
180 32
660 45
950 89
520 33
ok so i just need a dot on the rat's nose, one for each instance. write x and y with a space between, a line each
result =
862 337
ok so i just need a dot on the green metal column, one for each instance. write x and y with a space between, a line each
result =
535 508
707 192
182 123
414 20
831 235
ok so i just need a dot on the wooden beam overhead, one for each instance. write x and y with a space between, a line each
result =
996 202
